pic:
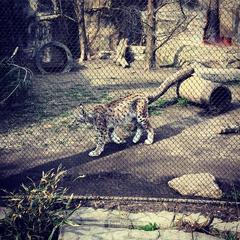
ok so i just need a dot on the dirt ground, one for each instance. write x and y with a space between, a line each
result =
39 134
221 211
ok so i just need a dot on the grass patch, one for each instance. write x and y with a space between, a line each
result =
105 98
149 227
231 236
84 95
157 107
233 194
79 93
183 102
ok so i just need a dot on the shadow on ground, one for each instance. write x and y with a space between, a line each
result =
116 182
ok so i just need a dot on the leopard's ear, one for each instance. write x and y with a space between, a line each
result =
82 115
81 109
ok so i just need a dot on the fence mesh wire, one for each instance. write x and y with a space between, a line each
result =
89 53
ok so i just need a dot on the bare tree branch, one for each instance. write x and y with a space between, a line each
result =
161 6
181 7
174 30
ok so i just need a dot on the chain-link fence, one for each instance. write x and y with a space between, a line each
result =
83 84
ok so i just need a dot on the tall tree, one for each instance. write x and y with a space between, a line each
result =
151 34
83 42
154 42
212 28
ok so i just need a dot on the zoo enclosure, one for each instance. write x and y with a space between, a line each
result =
127 47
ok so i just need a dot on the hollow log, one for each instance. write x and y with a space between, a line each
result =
205 92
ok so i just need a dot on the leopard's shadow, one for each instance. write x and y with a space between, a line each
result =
163 132
160 134
13 182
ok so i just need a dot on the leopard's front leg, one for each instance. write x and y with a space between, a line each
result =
116 139
101 141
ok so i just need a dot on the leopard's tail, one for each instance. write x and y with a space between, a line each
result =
178 77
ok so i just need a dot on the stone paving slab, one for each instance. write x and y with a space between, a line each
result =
163 219
115 218
106 224
221 226
102 217
101 233
102 224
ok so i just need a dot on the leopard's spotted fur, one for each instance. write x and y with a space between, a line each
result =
123 111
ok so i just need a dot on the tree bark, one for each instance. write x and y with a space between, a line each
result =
236 23
83 42
151 37
212 28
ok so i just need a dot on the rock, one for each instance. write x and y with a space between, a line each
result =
105 54
138 49
138 52
171 234
224 227
193 221
221 75
101 217
182 51
200 184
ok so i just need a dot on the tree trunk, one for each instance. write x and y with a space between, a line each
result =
151 38
236 23
83 42
212 28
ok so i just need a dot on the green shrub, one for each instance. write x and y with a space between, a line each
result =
38 210
231 236
15 81
182 102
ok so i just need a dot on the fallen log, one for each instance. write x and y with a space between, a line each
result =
178 77
119 58
221 75
231 129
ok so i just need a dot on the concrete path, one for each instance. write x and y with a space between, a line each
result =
102 224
